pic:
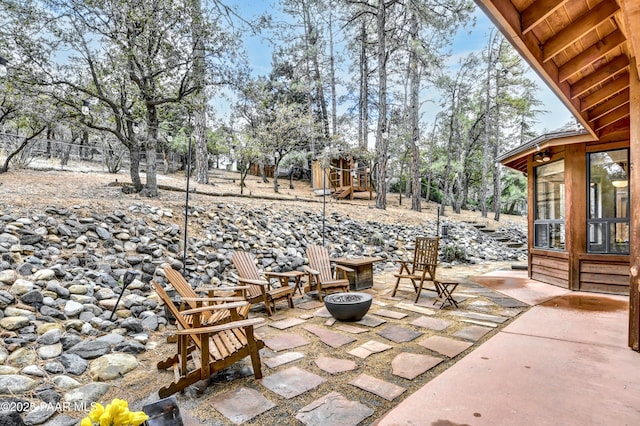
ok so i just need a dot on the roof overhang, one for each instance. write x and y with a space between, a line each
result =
581 49
517 157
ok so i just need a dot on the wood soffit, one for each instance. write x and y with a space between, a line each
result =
582 49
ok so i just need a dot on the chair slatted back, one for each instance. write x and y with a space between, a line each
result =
180 319
319 260
247 269
181 285
425 256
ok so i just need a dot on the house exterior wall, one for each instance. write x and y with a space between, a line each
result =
574 268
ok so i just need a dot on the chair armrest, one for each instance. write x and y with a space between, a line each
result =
218 328
254 282
214 299
225 288
233 305
311 271
344 268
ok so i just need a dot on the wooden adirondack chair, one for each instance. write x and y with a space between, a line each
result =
260 289
422 268
202 351
192 300
321 275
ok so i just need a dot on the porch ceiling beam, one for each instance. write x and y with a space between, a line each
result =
612 117
631 17
576 30
616 86
507 18
590 55
610 105
538 12
619 126
617 65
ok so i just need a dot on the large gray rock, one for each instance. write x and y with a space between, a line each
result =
90 349
16 384
87 394
112 366
73 364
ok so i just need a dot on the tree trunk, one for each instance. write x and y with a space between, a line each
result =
200 99
414 96
363 125
134 166
332 71
151 187
382 136
487 131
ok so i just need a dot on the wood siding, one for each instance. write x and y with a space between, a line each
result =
550 268
606 277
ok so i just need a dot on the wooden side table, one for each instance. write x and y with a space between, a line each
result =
362 275
445 289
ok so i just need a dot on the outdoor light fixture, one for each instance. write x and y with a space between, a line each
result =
85 107
127 279
3 66
445 230
136 128
543 156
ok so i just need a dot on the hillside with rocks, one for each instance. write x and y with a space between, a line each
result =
63 258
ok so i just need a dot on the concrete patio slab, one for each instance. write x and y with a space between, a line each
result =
517 285
565 362
514 379
578 317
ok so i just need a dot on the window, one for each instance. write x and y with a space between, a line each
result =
608 202
549 206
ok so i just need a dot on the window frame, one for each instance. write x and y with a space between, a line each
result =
606 222
548 224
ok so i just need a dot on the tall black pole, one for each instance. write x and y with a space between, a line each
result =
186 210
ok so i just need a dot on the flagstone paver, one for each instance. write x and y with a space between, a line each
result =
479 316
292 382
335 365
333 409
331 338
241 405
371 321
390 314
436 324
312 304
360 352
473 332
369 348
322 313
445 345
482 323
398 334
330 322
409 365
351 329
285 341
383 389
378 302
415 308
286 323
285 358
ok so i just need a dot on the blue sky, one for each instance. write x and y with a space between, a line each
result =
469 39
